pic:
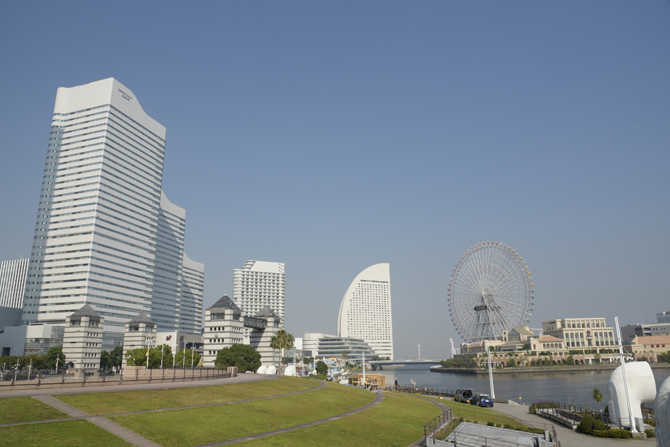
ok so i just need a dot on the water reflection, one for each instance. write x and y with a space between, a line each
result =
524 388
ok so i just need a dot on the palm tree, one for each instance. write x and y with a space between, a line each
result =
274 344
282 340
597 396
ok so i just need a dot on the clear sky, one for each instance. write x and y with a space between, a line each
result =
336 135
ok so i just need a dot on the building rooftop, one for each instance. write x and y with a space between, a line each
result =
225 303
85 311
266 312
141 318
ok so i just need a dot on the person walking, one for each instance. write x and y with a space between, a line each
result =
396 384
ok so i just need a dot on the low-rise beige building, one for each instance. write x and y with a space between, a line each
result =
260 336
650 347
581 333
547 343
82 339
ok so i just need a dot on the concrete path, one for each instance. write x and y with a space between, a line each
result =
566 436
241 378
100 421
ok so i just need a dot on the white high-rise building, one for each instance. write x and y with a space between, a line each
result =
13 282
365 311
106 234
259 284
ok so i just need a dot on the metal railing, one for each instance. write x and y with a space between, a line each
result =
10 379
430 428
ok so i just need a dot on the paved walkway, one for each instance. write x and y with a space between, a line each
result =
422 441
240 378
566 436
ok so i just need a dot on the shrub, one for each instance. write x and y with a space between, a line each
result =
491 424
650 433
599 425
586 425
542 404
613 433
508 426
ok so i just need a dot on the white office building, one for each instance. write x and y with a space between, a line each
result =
13 282
259 284
365 311
106 234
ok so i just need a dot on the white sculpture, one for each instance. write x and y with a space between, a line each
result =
271 370
642 390
290 371
262 370
662 413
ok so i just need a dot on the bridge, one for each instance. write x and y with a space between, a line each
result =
380 364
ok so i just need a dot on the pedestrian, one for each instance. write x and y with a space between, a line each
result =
396 384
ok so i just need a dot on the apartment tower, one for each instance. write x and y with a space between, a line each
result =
259 284
106 235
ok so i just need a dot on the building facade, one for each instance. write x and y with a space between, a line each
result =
82 339
663 317
224 327
365 311
630 331
261 335
581 333
106 235
259 284
332 346
13 282
139 333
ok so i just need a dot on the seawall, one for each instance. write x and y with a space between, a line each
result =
537 369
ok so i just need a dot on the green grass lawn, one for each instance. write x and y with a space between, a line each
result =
206 425
478 414
24 409
59 434
397 421
127 401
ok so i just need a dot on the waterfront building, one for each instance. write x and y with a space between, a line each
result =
650 346
517 334
34 339
106 235
140 333
331 346
581 333
630 331
365 311
13 283
224 327
82 339
259 284
548 343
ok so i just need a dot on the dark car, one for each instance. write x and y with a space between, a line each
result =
483 400
463 396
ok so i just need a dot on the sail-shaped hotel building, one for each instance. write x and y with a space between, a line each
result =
365 311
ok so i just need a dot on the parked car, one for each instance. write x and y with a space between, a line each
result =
483 400
463 396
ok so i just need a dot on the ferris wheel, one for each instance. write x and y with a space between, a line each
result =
490 291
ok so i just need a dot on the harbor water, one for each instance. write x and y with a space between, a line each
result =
567 387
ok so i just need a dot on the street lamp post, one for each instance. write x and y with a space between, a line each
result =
162 347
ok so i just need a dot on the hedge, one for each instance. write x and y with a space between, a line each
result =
612 433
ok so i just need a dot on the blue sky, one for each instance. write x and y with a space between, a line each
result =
332 136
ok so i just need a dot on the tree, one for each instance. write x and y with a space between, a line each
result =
55 352
597 358
570 360
344 356
321 368
244 357
597 396
116 356
284 340
183 358
275 345
511 363
136 357
155 356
